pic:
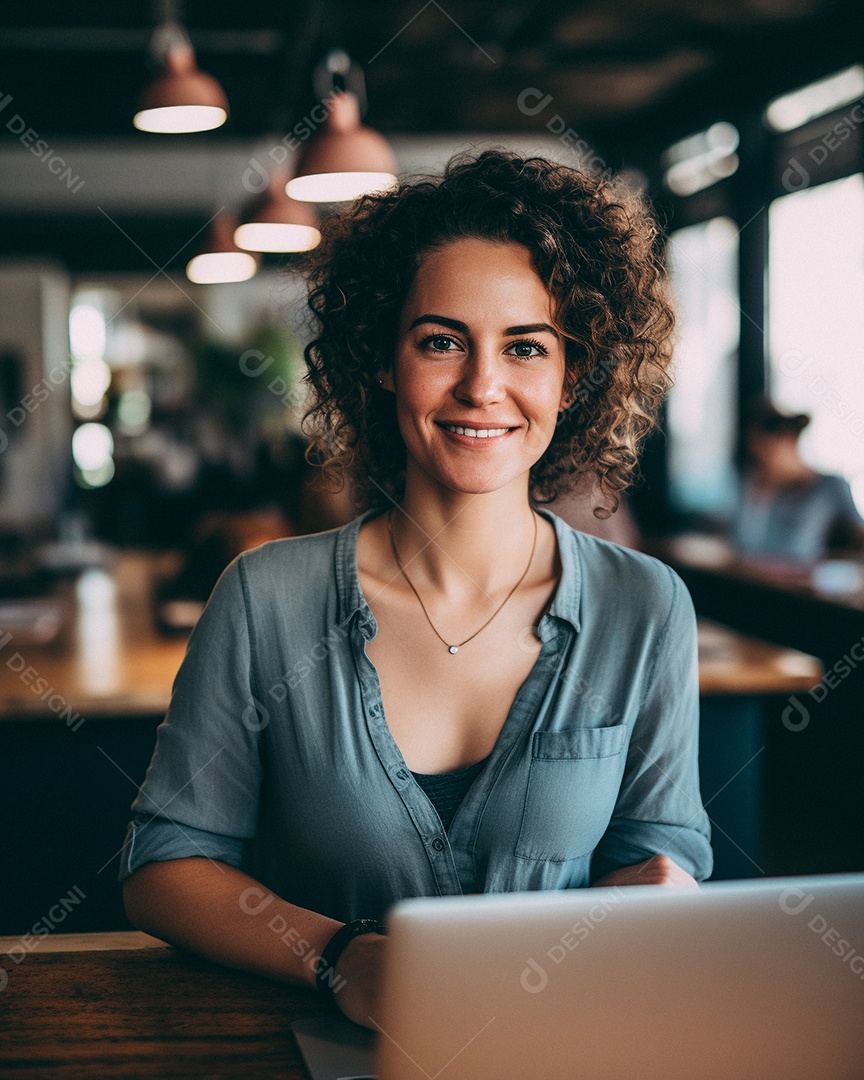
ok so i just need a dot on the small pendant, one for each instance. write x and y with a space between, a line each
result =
454 648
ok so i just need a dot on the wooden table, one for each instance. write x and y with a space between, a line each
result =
138 1012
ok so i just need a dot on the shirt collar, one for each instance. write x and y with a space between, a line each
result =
351 599
565 603
568 596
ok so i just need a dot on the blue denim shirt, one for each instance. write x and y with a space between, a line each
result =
275 755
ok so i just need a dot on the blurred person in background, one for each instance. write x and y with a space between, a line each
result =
788 513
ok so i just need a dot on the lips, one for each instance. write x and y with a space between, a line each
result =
475 432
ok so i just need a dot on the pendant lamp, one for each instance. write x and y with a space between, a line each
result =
345 159
275 222
182 98
221 260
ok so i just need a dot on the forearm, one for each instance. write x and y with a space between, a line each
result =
221 913
658 870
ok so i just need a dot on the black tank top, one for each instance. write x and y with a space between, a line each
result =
447 790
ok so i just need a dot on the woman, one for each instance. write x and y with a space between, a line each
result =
484 340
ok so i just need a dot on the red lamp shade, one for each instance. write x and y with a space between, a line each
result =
221 260
345 160
275 222
182 98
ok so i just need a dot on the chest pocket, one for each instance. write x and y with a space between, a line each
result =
573 783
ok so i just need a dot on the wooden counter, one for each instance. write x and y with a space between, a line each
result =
790 607
111 661
110 940
710 553
732 663
144 1012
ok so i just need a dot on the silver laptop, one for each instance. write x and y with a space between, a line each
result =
756 979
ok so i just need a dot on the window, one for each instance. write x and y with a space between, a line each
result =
816 99
816 321
701 419
700 160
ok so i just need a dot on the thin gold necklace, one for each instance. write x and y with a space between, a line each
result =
455 648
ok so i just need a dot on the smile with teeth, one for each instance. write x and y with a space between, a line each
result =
476 433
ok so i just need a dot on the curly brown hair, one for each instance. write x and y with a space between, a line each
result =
593 243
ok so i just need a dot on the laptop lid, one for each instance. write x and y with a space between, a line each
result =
761 979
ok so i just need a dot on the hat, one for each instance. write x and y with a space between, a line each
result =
765 417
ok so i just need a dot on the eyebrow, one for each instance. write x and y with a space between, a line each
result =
456 324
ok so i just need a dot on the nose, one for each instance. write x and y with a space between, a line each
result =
481 379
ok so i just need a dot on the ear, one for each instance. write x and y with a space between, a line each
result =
568 398
570 389
385 380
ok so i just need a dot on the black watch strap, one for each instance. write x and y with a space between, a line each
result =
325 973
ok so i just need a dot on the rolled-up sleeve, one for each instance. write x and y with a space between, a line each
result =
158 839
202 788
659 807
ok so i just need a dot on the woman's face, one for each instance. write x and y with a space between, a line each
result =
479 369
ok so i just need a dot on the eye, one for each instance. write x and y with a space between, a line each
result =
437 343
528 343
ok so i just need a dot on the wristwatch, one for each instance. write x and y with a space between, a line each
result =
325 973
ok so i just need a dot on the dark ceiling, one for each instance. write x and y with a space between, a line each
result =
628 76
614 68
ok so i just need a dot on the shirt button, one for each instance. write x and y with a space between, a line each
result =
438 844
402 774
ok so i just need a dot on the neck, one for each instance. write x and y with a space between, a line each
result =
454 539
790 475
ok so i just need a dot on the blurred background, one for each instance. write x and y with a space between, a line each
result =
162 167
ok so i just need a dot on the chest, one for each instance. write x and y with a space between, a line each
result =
446 711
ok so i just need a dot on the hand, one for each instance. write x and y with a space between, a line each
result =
360 967
658 870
